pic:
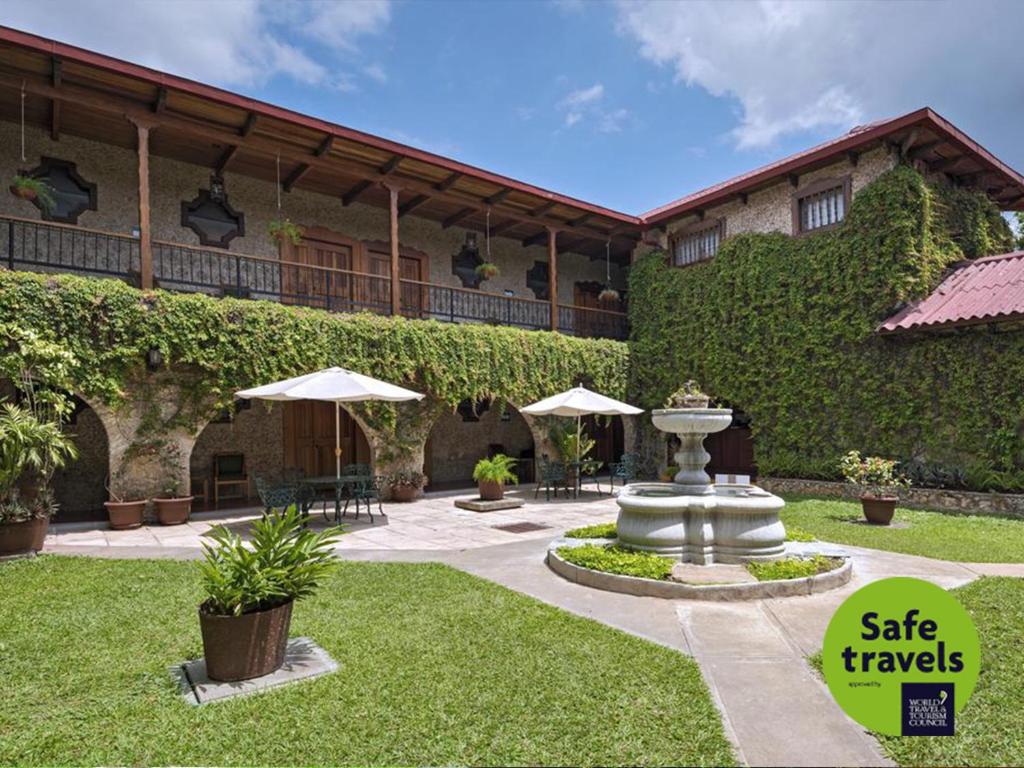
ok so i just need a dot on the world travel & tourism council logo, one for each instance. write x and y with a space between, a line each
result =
901 657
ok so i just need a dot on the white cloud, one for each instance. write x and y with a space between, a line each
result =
589 104
799 66
228 42
376 72
584 96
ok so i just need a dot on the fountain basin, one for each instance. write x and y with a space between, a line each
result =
721 524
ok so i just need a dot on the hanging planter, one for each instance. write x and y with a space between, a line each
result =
487 270
608 296
34 190
283 230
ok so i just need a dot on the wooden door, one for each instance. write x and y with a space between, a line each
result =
410 267
732 452
322 288
309 438
378 292
587 295
608 436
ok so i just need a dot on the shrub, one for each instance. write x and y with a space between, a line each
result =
612 559
601 531
497 469
798 534
793 567
873 472
30 450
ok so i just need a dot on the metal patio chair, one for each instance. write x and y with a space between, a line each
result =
552 476
366 489
625 469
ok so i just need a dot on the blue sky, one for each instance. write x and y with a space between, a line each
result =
626 104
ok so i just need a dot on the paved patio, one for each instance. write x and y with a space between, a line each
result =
427 525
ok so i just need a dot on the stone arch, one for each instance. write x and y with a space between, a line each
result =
80 488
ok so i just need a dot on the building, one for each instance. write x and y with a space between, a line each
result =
167 183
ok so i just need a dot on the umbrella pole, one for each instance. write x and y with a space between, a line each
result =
579 469
337 440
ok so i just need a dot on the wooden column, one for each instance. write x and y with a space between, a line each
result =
553 275
396 286
145 236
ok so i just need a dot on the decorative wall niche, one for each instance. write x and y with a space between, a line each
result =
211 217
537 280
72 195
465 262
471 412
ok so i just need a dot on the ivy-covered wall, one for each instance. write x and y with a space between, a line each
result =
783 328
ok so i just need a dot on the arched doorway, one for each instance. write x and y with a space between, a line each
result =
309 438
732 449
461 438
80 488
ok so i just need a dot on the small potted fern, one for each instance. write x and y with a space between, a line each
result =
492 474
282 230
250 590
34 190
487 271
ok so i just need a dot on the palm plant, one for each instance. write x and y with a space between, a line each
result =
29 446
286 561
496 469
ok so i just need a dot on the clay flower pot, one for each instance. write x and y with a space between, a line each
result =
23 538
125 514
246 646
878 510
173 511
23 192
403 494
491 490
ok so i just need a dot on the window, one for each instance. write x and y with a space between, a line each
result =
211 217
72 195
698 244
821 205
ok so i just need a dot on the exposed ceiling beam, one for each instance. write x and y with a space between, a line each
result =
293 178
456 217
355 191
540 210
161 100
497 229
391 165
412 205
498 196
580 220
447 183
908 142
225 157
325 146
945 163
1012 200
923 149
250 124
55 78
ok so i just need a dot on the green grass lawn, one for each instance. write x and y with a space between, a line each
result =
437 667
932 534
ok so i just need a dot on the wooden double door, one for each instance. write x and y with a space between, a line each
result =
309 438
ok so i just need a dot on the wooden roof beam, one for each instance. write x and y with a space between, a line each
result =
580 220
458 216
250 124
325 146
498 196
354 192
922 150
908 142
295 176
390 166
161 100
225 157
412 205
446 183
945 163
497 229
540 210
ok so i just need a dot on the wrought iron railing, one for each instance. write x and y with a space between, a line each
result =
51 247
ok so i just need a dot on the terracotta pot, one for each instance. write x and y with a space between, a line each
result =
878 510
173 511
491 490
403 494
24 537
246 646
125 514
23 192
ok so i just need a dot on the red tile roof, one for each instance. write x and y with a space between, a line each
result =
989 289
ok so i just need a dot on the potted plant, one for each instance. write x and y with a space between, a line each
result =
34 190
405 486
608 296
880 483
173 507
492 474
690 395
283 229
126 507
487 270
667 475
30 450
250 590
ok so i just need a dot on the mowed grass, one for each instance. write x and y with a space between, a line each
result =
966 538
437 668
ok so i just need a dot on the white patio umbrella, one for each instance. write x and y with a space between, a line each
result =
331 385
580 402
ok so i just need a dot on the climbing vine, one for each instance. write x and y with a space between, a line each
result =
784 328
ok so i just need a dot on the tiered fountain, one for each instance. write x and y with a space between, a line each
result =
691 519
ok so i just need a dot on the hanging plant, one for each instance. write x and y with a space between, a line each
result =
283 229
34 190
487 270
608 296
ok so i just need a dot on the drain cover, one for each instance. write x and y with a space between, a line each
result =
521 527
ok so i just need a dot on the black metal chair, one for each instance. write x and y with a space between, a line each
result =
589 469
552 477
625 469
274 496
366 489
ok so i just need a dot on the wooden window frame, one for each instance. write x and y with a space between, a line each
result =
815 187
696 228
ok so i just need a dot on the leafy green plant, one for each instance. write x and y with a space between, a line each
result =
285 561
563 435
30 451
793 567
600 531
31 188
875 474
609 558
496 469
690 395
487 270
283 229
406 479
798 534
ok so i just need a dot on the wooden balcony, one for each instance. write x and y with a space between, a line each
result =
50 247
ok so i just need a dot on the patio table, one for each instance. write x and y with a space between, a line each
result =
339 483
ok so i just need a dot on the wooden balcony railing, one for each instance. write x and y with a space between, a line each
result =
50 247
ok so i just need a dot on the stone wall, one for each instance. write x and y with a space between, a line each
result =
80 487
457 445
968 502
114 171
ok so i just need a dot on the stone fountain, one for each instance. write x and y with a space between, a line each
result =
692 519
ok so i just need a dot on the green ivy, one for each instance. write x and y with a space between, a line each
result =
784 328
213 347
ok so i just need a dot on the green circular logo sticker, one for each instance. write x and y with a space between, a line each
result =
901 657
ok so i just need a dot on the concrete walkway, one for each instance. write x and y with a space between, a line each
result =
775 709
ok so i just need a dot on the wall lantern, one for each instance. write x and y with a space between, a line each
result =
154 358
216 188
